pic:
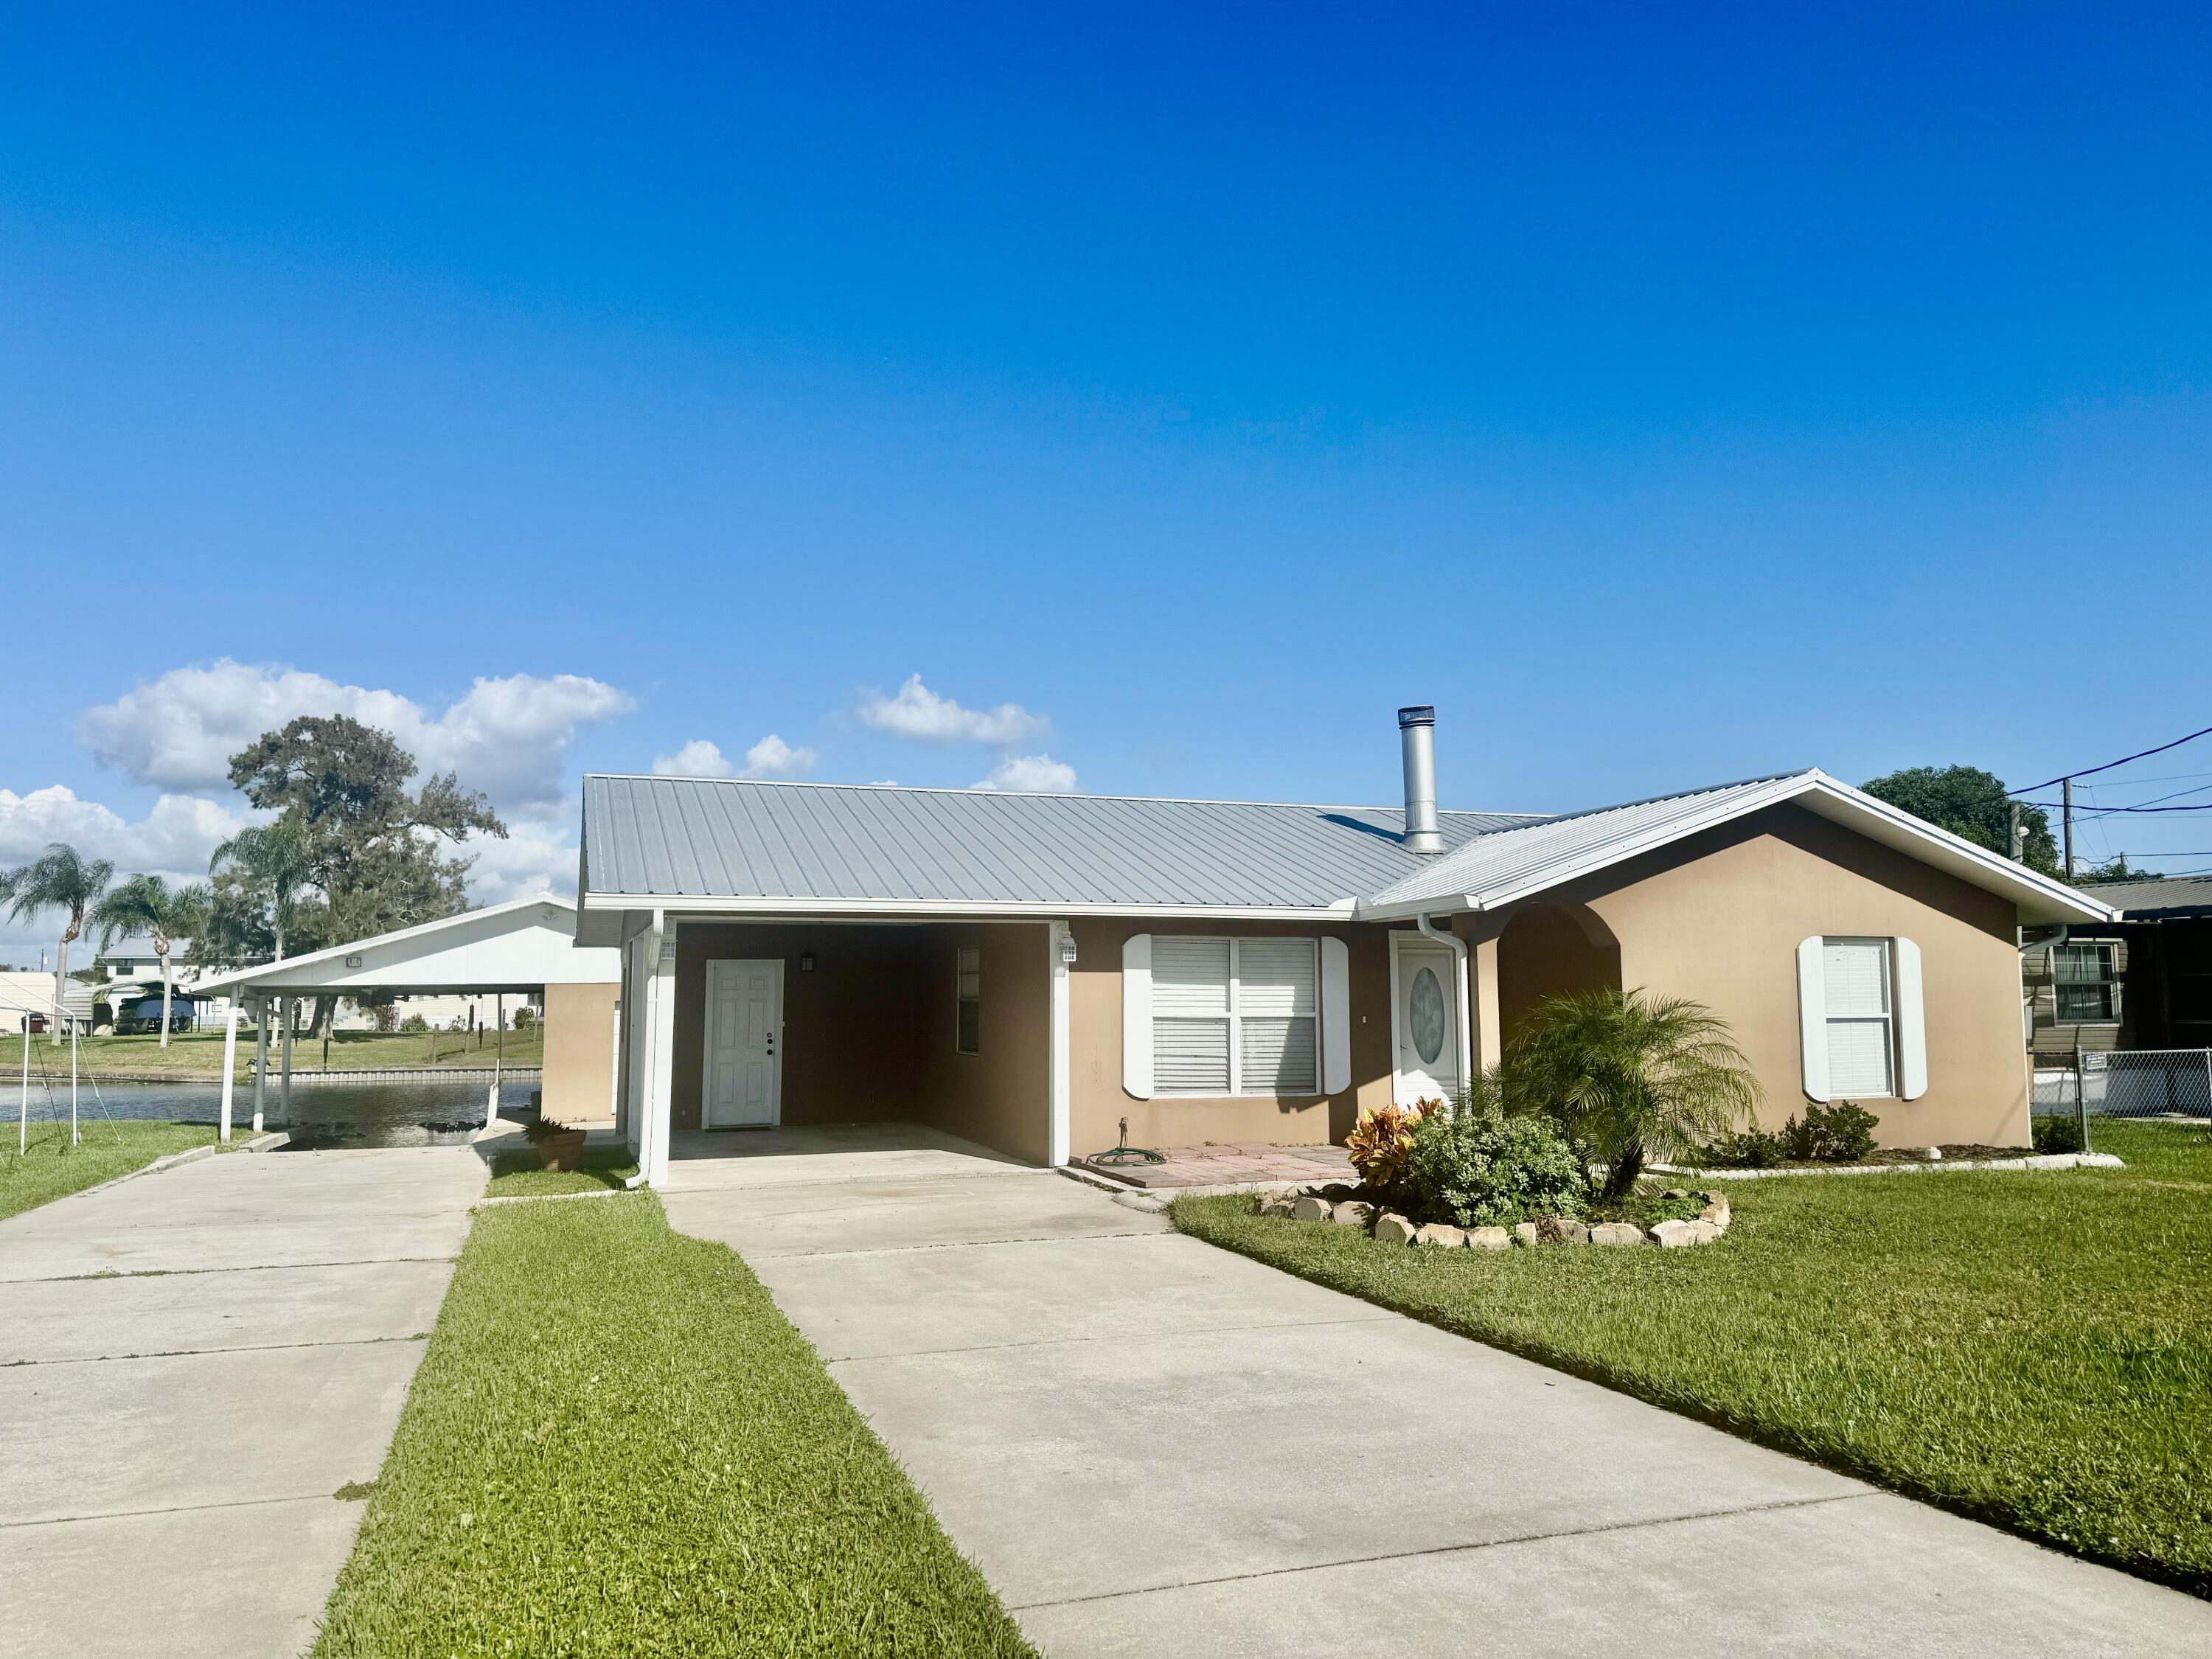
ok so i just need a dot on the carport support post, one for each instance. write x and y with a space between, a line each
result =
1057 936
284 1091
260 1059
23 1099
230 1063
662 1055
498 1059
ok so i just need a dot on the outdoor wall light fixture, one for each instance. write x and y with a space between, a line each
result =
353 962
1067 947
806 961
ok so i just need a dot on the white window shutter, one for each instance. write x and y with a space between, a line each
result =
1137 1015
1813 1014
1336 1016
1911 1024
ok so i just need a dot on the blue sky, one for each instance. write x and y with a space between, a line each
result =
1667 394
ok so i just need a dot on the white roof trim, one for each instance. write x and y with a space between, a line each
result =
2039 898
289 971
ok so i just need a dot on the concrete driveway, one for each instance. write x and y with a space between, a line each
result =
191 1365
1151 1446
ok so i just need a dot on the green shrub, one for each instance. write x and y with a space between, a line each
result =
1837 1133
2057 1135
1746 1149
413 1024
1477 1168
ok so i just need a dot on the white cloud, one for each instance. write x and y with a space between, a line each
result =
695 759
175 839
1035 775
920 715
508 737
539 856
771 758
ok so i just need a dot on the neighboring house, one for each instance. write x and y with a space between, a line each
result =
1029 971
2142 981
133 969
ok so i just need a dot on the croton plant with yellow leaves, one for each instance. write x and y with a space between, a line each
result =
1383 1139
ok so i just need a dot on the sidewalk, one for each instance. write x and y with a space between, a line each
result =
1151 1446
192 1363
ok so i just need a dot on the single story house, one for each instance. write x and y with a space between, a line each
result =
1031 971
2142 979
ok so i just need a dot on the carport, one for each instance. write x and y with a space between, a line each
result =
526 947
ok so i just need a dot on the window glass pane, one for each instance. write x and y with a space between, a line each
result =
1858 977
970 1040
2079 1003
1189 975
1280 1056
1190 1056
2080 964
1858 1058
1424 1014
971 969
1275 976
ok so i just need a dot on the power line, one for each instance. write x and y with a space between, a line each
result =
2092 771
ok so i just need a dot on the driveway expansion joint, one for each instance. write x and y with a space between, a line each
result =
1452 1549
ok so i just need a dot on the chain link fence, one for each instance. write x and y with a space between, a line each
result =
2139 1082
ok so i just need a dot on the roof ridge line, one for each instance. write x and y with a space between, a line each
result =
1068 794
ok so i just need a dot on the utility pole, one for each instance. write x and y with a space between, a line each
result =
2066 796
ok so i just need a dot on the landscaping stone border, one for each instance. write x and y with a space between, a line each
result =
1711 1224
2033 1161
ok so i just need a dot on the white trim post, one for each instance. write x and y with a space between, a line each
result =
284 1090
260 1061
230 1063
660 1054
23 1099
1057 935
72 1083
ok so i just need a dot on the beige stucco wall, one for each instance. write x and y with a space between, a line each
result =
1719 918
580 1052
1097 1101
1000 1095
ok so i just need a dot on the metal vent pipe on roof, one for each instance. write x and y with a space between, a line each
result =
1417 729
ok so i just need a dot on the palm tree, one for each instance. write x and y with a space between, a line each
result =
149 904
1631 1075
273 859
60 880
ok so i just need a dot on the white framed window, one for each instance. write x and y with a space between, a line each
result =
1863 1033
2085 984
968 998
1234 1016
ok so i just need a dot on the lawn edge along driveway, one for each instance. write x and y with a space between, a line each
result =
52 1168
617 1445
2031 1351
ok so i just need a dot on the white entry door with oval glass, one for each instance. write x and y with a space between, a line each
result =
743 1078
1425 980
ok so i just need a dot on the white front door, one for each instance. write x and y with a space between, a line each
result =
1426 1023
743 1073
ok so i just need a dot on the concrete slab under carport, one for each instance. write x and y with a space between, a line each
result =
1151 1446
190 1366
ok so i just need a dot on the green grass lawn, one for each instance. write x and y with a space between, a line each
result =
199 1054
617 1445
51 1167
516 1174
2034 1350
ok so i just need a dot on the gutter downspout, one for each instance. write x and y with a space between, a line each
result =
1462 973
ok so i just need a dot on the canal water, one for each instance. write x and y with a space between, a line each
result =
397 1114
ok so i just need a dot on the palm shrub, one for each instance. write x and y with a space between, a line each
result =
1477 1167
1631 1076
167 914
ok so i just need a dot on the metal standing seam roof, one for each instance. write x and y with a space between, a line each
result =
1526 855
728 841
662 837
